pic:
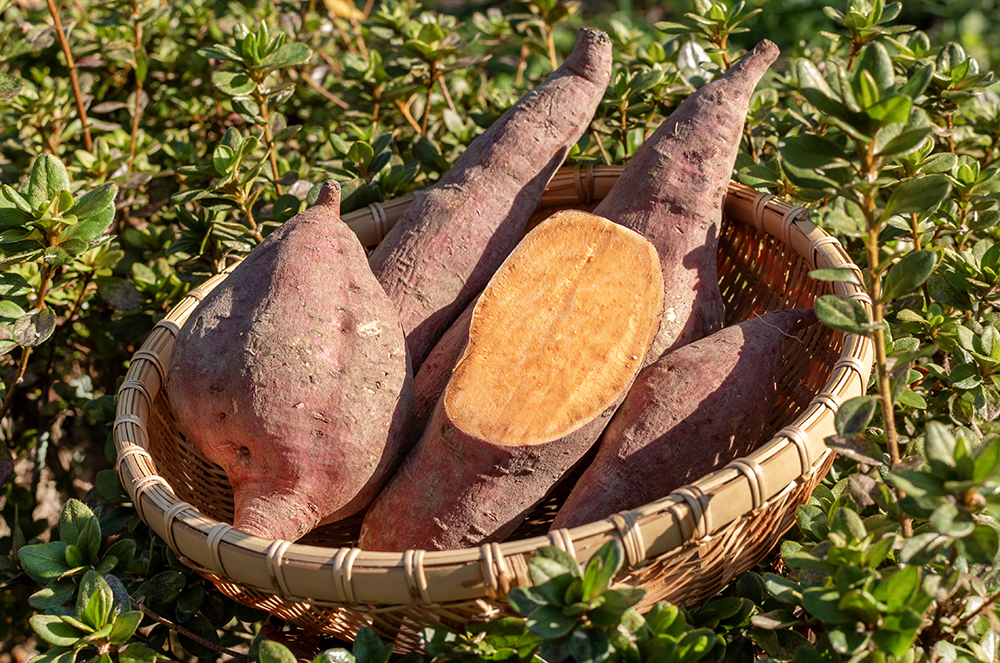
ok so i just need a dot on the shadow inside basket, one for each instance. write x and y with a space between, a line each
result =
757 273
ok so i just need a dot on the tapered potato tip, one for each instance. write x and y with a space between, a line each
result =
591 56
329 195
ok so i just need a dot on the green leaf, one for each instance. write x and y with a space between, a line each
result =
783 589
854 415
14 285
55 631
947 520
125 626
917 484
220 52
95 600
908 274
275 652
695 645
987 461
589 645
897 590
665 619
48 178
549 622
601 569
248 109
59 256
44 560
843 314
940 447
811 151
289 55
95 201
823 604
616 603
54 595
905 143
165 586
369 648
10 86
233 83
874 58
837 275
847 523
983 545
922 194
77 525
965 376
565 563
892 109
525 600
136 652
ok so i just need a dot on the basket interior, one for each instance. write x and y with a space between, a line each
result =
757 273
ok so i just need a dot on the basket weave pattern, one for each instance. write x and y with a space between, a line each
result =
683 548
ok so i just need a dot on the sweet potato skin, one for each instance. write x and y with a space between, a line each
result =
479 492
292 375
432 378
455 235
672 189
687 414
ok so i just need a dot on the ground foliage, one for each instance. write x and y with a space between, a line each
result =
145 146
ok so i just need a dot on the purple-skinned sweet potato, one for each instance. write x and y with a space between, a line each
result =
432 378
555 340
453 237
292 375
672 189
692 411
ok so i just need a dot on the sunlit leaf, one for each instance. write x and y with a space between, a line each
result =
908 274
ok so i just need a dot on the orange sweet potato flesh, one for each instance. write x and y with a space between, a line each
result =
691 412
292 375
451 239
672 189
555 340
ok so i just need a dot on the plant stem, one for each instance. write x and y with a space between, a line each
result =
22 365
137 108
550 42
964 621
81 109
188 634
405 110
878 338
323 91
427 101
266 116
869 171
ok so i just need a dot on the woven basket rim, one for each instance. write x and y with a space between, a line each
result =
363 578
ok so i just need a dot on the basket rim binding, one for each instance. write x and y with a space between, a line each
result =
349 577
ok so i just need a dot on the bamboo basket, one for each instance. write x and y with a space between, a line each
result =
683 548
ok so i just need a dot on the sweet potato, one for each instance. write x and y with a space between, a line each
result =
556 338
292 375
672 189
690 412
432 378
454 235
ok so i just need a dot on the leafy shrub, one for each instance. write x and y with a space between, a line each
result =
146 146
